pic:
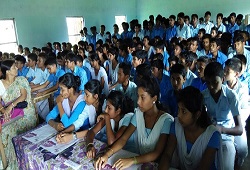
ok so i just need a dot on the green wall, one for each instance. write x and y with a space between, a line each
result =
40 21
168 7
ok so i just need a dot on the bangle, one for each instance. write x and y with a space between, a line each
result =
12 105
90 144
135 160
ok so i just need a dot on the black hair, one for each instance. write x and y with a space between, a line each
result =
20 58
204 59
189 56
114 51
158 64
71 57
5 66
32 56
202 30
143 70
193 101
181 15
239 16
178 69
173 58
214 69
95 57
94 87
187 17
157 56
160 45
206 36
79 58
235 64
70 81
172 16
239 38
50 61
208 13
220 15
233 14
242 58
214 28
118 100
52 55
194 16
140 54
43 55
216 40
126 68
151 86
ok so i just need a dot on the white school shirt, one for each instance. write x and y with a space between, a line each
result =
101 37
208 26
221 28
140 35
246 54
184 32
37 75
189 78
101 73
113 73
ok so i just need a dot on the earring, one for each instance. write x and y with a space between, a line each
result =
153 102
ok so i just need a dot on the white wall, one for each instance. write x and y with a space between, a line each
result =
168 7
41 21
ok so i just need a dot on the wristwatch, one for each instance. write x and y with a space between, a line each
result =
74 136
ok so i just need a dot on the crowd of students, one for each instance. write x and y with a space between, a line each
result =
174 92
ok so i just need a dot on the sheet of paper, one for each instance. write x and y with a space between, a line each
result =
40 134
52 146
123 154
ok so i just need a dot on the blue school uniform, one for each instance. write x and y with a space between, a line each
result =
170 102
87 72
78 71
224 110
165 86
126 35
199 84
35 75
189 78
127 60
23 72
221 58
245 78
165 62
170 33
158 31
54 79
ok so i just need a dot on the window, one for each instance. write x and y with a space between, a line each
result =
75 25
8 40
119 20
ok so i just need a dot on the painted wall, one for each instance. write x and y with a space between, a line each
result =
168 7
40 21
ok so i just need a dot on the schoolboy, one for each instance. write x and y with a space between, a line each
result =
55 74
207 24
76 70
232 27
221 27
127 87
244 76
215 52
178 78
206 44
171 31
79 62
163 80
188 60
239 44
159 48
42 57
20 64
200 82
183 30
214 32
195 25
34 75
223 108
201 33
193 47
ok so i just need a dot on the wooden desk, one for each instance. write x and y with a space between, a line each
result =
36 99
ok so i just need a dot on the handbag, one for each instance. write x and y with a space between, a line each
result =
21 105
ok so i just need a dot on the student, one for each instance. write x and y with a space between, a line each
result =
172 60
92 39
171 30
232 70
20 64
124 55
221 27
178 48
85 61
159 48
113 66
70 62
94 101
215 52
239 44
111 124
194 46
207 24
200 82
201 33
70 103
142 70
79 63
187 60
151 124
192 137
158 29
233 26
42 57
195 25
223 109
99 73
206 44
214 32
127 87
116 31
34 75
126 34
183 31
138 33
103 58
163 80
148 48
244 76
177 77
139 57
